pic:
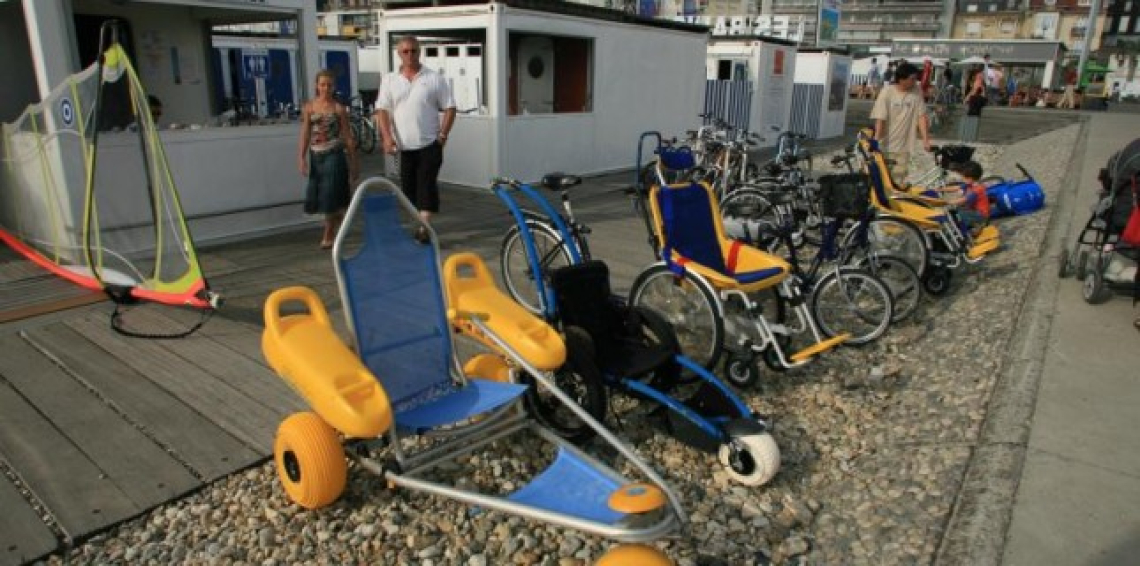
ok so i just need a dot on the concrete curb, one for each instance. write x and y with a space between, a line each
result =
976 533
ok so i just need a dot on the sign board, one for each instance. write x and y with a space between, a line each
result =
1000 51
827 32
255 63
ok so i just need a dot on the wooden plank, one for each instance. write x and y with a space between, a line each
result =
59 473
252 378
210 451
12 313
134 462
23 535
243 417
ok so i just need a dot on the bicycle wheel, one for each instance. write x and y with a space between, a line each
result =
365 134
518 273
748 215
581 380
688 304
901 279
851 301
894 237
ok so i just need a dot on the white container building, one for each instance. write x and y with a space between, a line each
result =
821 91
768 65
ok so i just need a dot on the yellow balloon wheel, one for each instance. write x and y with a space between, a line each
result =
634 555
310 460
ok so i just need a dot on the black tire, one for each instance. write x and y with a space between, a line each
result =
514 265
851 301
741 370
1063 265
579 378
1082 268
689 305
1093 289
937 281
365 134
901 280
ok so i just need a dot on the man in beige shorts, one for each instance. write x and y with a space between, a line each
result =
900 118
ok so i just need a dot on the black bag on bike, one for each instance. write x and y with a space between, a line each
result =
845 195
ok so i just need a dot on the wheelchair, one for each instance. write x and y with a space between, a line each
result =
925 230
720 294
398 403
634 349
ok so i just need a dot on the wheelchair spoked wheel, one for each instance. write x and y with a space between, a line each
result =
937 280
579 378
852 301
752 460
518 276
901 280
310 460
690 307
898 238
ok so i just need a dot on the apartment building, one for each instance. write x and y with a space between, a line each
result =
1066 21
991 19
870 22
349 18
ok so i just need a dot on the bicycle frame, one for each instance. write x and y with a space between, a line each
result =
549 216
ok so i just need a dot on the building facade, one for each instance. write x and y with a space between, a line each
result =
991 19
1066 21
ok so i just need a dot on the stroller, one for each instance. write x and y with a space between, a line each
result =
1098 259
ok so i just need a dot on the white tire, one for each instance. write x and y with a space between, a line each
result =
757 461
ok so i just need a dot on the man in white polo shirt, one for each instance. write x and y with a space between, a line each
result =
408 116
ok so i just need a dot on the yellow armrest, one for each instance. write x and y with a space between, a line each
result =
470 288
305 350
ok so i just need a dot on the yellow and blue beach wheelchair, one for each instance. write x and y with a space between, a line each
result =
723 295
926 230
397 402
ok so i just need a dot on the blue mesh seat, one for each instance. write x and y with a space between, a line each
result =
393 291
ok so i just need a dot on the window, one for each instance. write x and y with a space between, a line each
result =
1007 27
972 8
549 74
1050 2
973 28
1084 3
1124 21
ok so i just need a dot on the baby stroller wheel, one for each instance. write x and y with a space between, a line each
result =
1064 264
1082 265
579 378
751 460
937 281
310 460
742 370
1093 289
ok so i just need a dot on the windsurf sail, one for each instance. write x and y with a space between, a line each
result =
87 192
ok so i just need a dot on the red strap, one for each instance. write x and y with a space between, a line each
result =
733 253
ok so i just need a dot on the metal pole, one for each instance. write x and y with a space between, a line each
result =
1090 30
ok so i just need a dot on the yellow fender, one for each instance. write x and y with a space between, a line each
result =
472 292
305 351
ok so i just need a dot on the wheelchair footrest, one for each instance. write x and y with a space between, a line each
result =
571 486
818 348
980 249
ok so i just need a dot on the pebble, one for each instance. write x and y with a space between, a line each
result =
871 466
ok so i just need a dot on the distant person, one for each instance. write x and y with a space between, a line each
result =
926 78
889 74
155 108
1069 98
326 154
414 113
874 79
900 118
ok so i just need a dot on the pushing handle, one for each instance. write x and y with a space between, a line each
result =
293 294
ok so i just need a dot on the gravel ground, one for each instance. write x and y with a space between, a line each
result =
871 467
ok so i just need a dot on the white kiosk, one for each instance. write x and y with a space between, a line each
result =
749 83
820 95
552 85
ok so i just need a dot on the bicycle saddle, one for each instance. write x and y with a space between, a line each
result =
560 181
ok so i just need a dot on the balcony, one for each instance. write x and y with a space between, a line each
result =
889 6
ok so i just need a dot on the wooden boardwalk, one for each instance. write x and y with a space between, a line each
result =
96 427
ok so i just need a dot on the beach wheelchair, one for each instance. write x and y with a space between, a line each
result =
925 230
718 293
397 402
634 348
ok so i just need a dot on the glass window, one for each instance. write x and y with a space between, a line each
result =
972 8
973 28
1124 21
